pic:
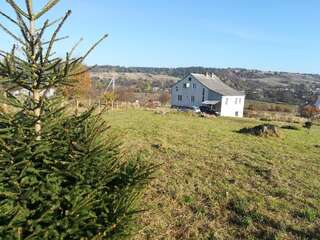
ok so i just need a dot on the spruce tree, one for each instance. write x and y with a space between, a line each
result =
61 174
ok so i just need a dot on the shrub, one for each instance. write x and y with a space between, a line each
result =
309 214
308 125
164 98
309 111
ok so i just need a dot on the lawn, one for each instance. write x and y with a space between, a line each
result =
215 183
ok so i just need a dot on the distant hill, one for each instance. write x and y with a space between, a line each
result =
293 88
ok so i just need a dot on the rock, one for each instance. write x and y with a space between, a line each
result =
263 130
156 145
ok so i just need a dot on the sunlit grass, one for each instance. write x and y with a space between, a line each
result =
215 183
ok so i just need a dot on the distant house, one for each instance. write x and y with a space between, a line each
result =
25 92
198 90
317 103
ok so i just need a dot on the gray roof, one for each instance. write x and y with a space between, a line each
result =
215 84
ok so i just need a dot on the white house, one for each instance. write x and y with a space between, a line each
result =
317 103
197 90
26 92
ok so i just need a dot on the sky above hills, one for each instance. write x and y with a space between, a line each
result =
268 35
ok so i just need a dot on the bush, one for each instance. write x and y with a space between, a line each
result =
164 98
308 125
309 214
309 111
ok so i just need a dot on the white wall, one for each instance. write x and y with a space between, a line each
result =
232 104
187 93
317 104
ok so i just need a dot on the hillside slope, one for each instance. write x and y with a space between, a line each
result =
215 183
294 88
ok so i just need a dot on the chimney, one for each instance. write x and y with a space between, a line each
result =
207 74
213 75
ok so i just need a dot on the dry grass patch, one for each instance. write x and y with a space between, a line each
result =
215 183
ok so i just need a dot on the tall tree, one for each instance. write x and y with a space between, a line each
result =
61 175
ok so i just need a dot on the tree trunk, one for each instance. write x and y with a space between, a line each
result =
36 91
77 106
37 112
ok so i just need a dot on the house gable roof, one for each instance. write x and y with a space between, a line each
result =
215 84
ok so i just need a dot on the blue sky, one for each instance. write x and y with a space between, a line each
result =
279 35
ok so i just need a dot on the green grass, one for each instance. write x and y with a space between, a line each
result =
266 105
215 183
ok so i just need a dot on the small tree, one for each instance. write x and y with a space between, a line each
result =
109 98
80 85
61 175
164 98
309 111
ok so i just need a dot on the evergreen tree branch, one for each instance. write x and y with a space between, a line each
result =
55 21
22 25
29 8
52 23
5 54
56 40
75 46
93 47
46 8
11 34
54 35
9 18
17 8
24 30
41 32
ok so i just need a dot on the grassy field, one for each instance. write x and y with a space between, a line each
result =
215 183
265 105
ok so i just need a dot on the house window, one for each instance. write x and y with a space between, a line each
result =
188 85
237 114
227 100
236 101
192 99
203 93
240 99
190 78
179 98
177 88
194 85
